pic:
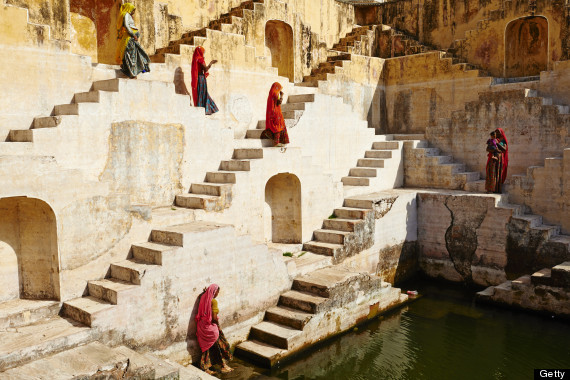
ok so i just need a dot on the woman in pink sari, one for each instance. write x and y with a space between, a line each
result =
211 339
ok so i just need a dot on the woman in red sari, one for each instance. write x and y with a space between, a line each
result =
211 339
199 85
497 163
274 122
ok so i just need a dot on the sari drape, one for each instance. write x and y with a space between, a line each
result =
206 331
275 128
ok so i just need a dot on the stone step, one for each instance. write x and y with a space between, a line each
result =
301 98
221 177
151 252
469 176
180 234
322 248
296 114
67 109
254 133
439 160
21 135
198 201
370 163
293 107
363 203
309 303
331 281
275 334
86 310
386 145
338 224
384 154
521 283
210 188
330 236
96 360
529 219
236 165
486 294
22 312
248 153
563 240
261 353
131 271
41 339
109 85
403 137
355 181
503 290
87 97
350 213
289 317
547 231
46 122
515 209
561 275
542 277
112 290
363 172
454 168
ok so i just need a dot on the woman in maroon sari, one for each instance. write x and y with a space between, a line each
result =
274 122
215 348
497 164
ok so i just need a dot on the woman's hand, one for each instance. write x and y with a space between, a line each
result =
213 61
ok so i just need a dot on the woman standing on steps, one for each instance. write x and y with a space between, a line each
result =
275 128
215 348
199 85
496 168
129 51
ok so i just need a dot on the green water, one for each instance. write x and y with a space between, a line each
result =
442 335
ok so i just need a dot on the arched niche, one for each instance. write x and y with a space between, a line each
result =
283 196
29 263
279 41
101 31
526 47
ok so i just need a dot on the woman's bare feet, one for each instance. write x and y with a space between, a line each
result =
226 368
210 372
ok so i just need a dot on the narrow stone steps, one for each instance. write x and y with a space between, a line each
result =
111 290
221 177
254 133
355 181
87 97
211 188
151 252
330 236
86 310
41 339
376 153
386 145
277 335
262 353
131 271
301 98
403 137
370 163
22 312
561 275
287 107
339 224
363 171
521 282
322 248
350 213
236 165
248 153
21 135
289 317
542 277
197 201
532 221
309 303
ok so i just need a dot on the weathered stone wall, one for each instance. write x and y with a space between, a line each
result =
545 190
52 13
481 26
422 88
534 131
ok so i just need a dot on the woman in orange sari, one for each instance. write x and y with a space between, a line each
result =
274 122
199 85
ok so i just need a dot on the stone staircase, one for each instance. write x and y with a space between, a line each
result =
95 360
320 304
215 194
31 329
545 291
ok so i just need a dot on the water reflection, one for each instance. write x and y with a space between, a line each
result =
442 335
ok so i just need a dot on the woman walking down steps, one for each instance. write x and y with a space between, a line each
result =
133 58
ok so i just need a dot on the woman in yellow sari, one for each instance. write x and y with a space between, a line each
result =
133 58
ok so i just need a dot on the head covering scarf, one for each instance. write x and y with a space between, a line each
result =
273 116
197 62
503 138
122 34
206 331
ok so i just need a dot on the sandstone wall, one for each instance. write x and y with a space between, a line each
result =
420 89
476 28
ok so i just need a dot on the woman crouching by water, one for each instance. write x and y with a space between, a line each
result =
275 128
129 52
215 348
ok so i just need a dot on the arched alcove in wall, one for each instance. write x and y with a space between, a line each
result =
279 40
283 196
29 263
526 47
